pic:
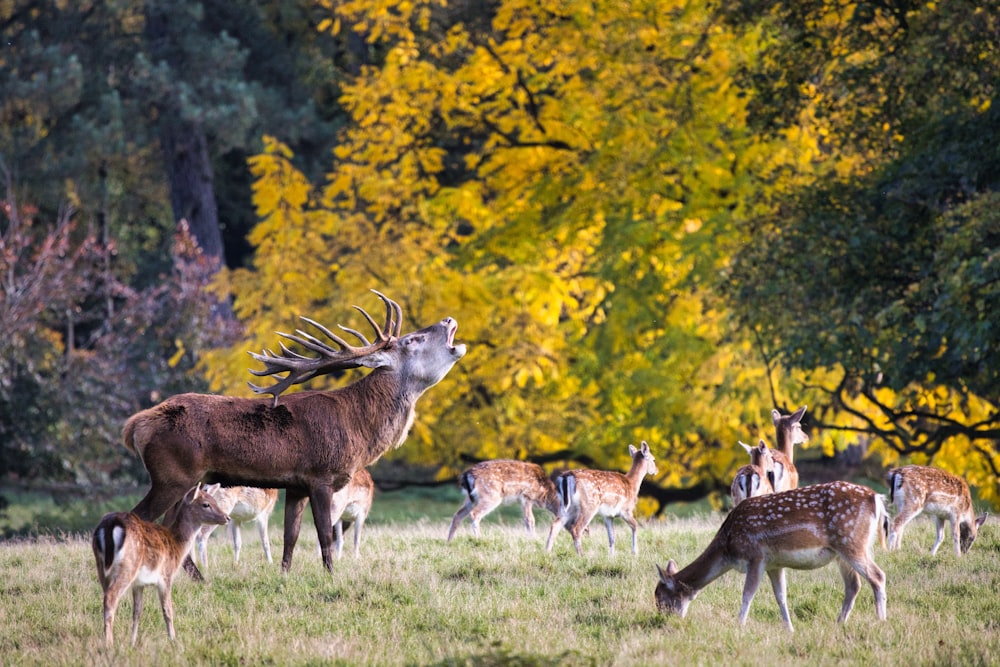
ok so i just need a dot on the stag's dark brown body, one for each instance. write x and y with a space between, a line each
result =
310 443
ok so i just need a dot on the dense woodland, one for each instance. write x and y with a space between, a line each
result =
652 220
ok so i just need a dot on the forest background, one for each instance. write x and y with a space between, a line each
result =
653 220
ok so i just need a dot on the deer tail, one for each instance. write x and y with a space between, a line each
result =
109 536
468 484
891 479
567 487
882 520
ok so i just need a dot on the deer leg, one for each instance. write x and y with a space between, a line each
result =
779 584
295 504
528 515
852 584
321 499
112 597
202 543
609 525
265 539
755 572
338 538
557 524
136 612
360 521
462 512
634 525
167 606
898 523
579 524
237 537
481 509
955 539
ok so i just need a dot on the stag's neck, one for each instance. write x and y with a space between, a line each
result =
387 404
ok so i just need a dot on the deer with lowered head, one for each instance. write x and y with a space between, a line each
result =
802 529
914 489
754 478
133 553
489 484
243 504
309 444
584 494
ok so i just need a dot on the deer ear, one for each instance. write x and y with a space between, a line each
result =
980 520
746 447
192 492
632 450
762 446
799 414
775 416
645 447
667 575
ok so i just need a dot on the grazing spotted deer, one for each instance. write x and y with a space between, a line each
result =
243 504
133 553
915 489
353 502
753 479
489 484
801 529
584 494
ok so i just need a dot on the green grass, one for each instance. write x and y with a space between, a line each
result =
413 599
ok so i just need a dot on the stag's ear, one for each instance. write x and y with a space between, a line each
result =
377 359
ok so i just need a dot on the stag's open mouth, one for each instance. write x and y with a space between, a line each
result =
458 350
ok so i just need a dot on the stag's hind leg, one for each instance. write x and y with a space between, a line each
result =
295 505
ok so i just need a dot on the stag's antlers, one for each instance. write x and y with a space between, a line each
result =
301 368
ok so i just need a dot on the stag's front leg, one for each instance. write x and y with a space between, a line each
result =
295 504
321 499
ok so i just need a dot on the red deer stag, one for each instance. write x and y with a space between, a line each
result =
312 442
754 479
133 553
489 484
584 494
803 529
243 504
916 489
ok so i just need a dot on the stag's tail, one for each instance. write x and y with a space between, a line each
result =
128 434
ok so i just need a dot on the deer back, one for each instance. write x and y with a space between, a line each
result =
509 479
915 488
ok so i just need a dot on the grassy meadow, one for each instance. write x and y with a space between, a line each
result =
413 599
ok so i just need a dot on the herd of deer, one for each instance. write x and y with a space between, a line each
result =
217 460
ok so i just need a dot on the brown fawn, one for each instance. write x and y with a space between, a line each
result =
914 489
586 493
133 553
489 484
801 529
243 504
788 433
354 501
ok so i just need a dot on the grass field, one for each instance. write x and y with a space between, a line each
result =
413 599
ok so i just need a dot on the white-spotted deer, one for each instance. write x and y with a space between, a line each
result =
788 433
489 484
753 479
914 489
243 504
352 503
584 494
802 529
313 441
133 553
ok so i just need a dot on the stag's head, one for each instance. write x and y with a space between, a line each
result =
421 359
